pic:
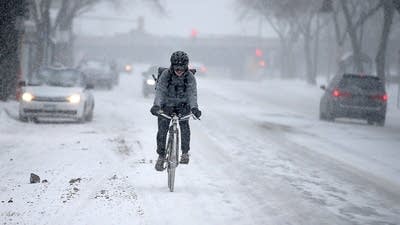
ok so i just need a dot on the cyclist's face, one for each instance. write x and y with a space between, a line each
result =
179 70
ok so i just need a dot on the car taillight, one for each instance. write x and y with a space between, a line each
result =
380 97
338 93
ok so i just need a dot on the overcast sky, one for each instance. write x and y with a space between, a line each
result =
208 17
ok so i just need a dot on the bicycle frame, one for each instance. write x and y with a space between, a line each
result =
173 145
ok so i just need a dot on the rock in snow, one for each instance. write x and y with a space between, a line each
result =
34 178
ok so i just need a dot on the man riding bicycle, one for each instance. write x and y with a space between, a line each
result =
176 92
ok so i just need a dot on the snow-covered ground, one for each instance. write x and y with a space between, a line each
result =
259 156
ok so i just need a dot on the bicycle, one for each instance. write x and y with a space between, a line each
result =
173 145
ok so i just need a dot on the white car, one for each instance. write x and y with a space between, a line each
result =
57 93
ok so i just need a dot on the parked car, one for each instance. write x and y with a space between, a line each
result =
98 74
149 82
354 96
56 93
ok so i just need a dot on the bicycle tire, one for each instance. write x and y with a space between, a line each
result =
172 158
171 179
178 147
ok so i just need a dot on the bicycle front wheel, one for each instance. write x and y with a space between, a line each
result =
172 158
171 179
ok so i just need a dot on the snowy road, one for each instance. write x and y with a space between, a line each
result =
259 156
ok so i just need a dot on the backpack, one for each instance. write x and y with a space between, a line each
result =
161 70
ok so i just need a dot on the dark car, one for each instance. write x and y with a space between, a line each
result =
354 96
98 74
149 83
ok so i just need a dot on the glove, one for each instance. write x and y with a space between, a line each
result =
196 112
155 109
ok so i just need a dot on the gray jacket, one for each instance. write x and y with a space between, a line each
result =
173 90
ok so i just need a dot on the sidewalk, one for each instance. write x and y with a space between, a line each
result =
10 108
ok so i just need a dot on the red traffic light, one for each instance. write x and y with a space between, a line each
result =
259 52
194 33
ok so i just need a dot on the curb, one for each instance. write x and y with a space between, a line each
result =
11 110
9 114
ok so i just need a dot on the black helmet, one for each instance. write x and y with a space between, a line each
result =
179 58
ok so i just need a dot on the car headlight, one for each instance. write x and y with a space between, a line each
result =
27 97
151 82
74 98
128 68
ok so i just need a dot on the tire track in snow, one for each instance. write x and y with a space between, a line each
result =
290 161
269 200
323 188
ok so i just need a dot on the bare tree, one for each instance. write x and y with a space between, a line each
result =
356 13
40 13
63 29
310 27
63 26
349 17
280 16
380 59
291 19
396 5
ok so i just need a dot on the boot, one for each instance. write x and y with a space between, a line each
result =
184 158
160 163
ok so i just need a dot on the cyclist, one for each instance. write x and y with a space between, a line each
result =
176 93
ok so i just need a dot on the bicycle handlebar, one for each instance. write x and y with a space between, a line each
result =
180 118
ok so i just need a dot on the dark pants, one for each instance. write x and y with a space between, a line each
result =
163 125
